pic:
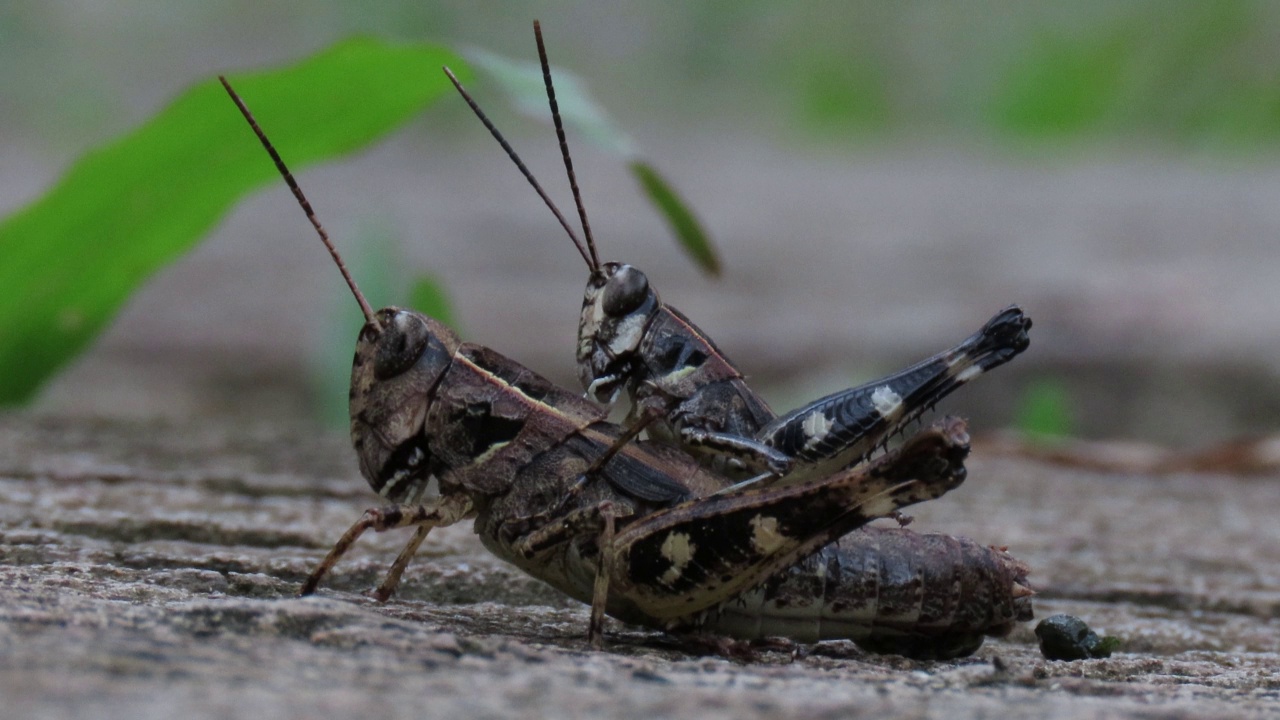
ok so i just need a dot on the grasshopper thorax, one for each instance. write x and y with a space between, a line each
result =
616 309
398 362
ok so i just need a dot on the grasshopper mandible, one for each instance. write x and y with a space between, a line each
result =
638 530
687 392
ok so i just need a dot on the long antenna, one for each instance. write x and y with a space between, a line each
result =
564 145
302 200
511 153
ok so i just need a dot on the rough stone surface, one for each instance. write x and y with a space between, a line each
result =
148 570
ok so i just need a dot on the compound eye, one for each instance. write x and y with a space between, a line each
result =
402 342
625 292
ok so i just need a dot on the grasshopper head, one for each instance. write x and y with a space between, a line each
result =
616 308
399 359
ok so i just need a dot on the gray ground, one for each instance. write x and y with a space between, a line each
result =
148 570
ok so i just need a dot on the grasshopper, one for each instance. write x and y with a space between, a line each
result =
637 529
677 376
687 392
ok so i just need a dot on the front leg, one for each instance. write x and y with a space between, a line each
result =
740 453
439 512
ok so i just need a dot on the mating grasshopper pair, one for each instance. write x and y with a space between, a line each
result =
639 528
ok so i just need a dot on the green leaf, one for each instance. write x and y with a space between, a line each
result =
687 229
522 82
839 97
125 209
1045 412
1066 88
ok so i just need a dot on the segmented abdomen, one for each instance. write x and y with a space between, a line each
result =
927 596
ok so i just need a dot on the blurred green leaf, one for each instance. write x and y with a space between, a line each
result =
427 296
1045 411
124 210
522 82
1206 73
687 229
1065 87
842 97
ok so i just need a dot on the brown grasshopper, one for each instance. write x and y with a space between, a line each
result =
637 529
687 392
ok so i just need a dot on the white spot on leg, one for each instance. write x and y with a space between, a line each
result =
880 506
969 373
765 537
886 401
816 426
679 550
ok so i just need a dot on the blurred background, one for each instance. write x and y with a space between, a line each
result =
879 178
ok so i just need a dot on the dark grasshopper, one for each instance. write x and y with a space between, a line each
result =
900 591
637 529
687 392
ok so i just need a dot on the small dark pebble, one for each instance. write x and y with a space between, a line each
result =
1066 637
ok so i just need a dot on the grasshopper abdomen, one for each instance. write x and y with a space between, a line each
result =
923 595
